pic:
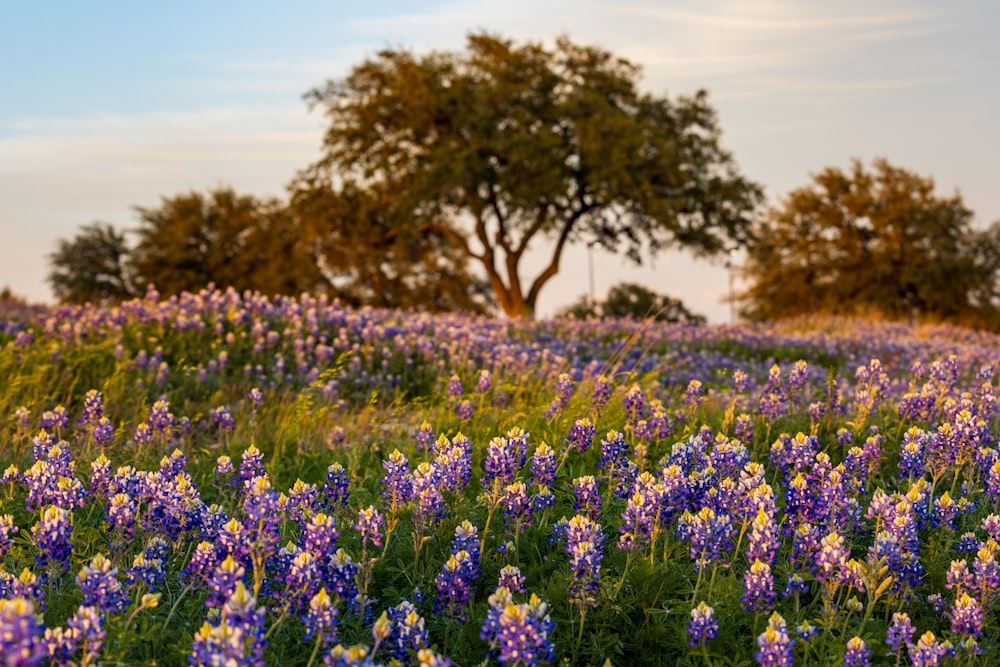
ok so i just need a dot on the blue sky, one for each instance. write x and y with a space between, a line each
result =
110 105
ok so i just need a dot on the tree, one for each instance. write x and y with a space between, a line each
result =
225 238
502 145
872 241
638 302
369 259
92 266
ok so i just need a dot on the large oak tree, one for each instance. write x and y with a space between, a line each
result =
872 241
503 145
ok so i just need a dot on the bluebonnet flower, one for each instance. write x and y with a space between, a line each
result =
454 464
426 437
407 632
542 499
302 581
743 428
564 389
642 514
774 646
518 634
601 394
454 585
202 563
223 419
99 582
93 407
148 571
763 541
634 403
585 546
967 616
484 381
543 465
911 453
503 460
320 534
806 631
467 539
758 587
857 654
516 505
370 525
455 386
303 501
57 418
322 618
511 579
52 536
251 465
21 640
703 626
773 399
223 580
7 528
831 558
927 651
581 434
225 472
87 625
991 524
587 499
121 513
708 533
429 507
335 494
397 482
237 638
464 410
100 476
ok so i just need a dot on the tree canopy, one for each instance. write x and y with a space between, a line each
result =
876 241
502 145
635 301
225 238
92 266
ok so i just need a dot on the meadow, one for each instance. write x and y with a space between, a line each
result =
226 479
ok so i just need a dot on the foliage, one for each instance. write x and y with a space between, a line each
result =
368 258
524 143
92 266
636 301
225 238
875 240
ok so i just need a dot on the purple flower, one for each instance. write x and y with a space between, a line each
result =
967 616
223 419
21 639
543 465
518 634
511 579
454 585
587 498
703 626
370 525
236 638
581 434
857 654
601 394
88 626
774 646
406 632
223 581
708 533
927 652
484 381
322 618
397 482
100 586
564 389
758 587
455 387
335 491
585 546
52 536
7 528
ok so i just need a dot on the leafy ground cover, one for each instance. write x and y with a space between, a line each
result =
226 479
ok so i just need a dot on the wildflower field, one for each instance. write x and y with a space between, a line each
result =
225 479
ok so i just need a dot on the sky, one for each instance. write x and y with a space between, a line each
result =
108 105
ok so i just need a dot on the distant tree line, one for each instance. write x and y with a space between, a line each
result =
438 173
